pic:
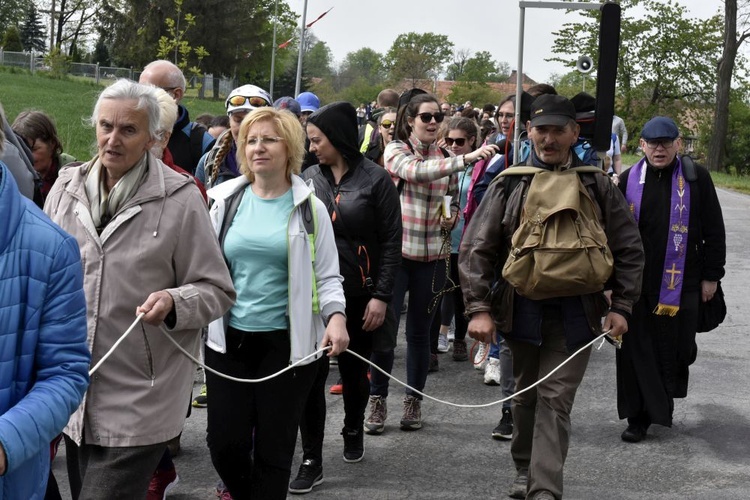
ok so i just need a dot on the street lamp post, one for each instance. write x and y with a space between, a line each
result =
298 82
273 48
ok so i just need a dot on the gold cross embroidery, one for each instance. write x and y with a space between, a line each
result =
672 272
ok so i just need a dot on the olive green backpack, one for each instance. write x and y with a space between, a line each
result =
560 248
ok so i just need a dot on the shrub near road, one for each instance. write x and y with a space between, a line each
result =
70 103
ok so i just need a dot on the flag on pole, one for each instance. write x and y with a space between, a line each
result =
320 17
286 44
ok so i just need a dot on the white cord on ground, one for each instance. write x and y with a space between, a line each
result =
293 365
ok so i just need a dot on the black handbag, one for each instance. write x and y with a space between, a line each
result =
712 313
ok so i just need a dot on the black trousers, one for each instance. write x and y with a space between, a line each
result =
653 364
252 428
354 377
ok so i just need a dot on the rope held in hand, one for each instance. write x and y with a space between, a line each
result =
319 351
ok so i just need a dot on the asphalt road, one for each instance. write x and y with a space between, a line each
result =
705 455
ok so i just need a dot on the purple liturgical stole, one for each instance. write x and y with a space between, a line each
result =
674 260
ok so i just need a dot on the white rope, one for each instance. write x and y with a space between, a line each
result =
119 341
301 361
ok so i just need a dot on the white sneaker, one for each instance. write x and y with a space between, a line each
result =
443 343
492 372
480 358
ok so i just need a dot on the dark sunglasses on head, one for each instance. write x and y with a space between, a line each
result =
460 142
387 123
427 117
239 100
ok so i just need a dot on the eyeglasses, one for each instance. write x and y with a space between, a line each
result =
265 141
666 143
509 116
427 117
239 100
387 123
458 142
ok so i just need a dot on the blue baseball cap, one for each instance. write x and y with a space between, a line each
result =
308 102
660 127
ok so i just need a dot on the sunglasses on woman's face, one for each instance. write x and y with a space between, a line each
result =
256 102
387 123
460 142
427 117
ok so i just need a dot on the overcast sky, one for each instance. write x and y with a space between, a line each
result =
490 25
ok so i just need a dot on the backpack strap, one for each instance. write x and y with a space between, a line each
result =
689 170
197 132
309 221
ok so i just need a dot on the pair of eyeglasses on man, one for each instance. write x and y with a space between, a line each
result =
427 117
256 102
265 141
387 123
666 143
460 142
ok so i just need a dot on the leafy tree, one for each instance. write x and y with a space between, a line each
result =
12 13
363 64
476 92
317 61
73 20
666 59
176 45
480 68
101 52
32 31
12 40
725 69
573 82
360 91
417 56
455 69
238 35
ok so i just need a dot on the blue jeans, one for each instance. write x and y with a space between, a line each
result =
418 278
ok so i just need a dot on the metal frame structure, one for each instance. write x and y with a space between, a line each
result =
523 5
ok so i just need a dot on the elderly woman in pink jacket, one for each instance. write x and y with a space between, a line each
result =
147 246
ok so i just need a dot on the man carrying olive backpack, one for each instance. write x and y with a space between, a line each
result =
548 321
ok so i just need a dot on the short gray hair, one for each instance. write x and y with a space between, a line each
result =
127 90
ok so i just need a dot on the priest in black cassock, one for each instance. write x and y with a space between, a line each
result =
682 229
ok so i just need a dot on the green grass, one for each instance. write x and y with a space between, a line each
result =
69 103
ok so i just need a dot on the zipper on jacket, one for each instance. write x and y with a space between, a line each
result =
149 356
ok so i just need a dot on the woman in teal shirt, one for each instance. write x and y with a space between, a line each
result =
278 242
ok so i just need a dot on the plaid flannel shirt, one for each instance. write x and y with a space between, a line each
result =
428 176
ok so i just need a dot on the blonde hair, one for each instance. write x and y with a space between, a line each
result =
287 126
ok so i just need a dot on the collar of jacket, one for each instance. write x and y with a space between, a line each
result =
535 161
300 189
157 185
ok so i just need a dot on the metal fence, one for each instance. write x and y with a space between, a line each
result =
34 62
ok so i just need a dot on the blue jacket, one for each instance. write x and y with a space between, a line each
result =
44 360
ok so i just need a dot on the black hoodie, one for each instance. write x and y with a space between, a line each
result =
368 223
